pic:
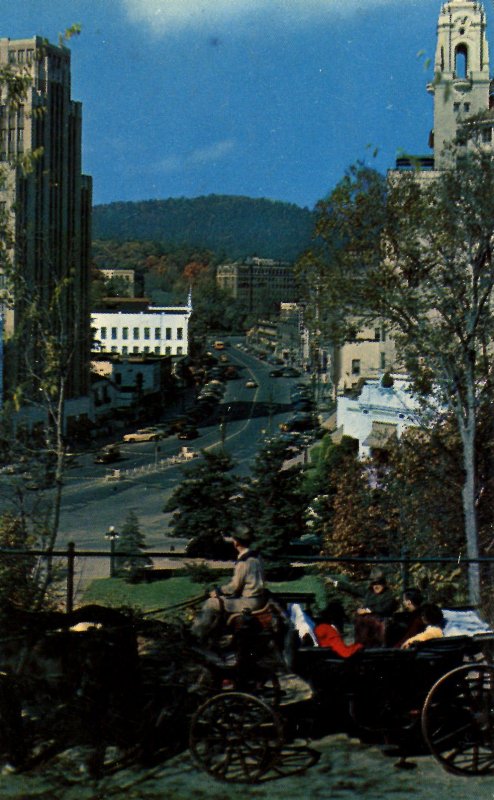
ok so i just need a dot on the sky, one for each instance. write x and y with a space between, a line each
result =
261 98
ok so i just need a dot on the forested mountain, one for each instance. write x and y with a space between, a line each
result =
229 226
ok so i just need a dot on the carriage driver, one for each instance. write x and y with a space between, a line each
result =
246 590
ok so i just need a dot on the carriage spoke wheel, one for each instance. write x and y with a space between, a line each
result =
235 737
458 720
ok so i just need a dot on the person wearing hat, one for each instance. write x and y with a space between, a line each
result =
246 590
377 604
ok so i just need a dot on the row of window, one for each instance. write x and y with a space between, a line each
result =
136 333
137 350
21 56
457 106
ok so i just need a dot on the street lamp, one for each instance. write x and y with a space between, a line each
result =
112 537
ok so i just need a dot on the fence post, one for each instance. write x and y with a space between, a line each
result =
70 577
405 570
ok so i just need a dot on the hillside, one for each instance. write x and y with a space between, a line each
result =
233 227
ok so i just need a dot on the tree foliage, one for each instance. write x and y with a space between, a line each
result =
132 543
417 253
202 506
232 227
274 500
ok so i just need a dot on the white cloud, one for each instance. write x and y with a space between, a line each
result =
202 155
163 16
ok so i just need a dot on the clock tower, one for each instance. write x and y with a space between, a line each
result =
461 72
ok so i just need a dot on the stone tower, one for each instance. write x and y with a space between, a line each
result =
461 69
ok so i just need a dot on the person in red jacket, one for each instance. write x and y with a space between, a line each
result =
329 630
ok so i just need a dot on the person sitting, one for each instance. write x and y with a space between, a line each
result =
408 622
433 620
329 630
246 590
377 605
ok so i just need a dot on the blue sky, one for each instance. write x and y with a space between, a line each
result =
264 98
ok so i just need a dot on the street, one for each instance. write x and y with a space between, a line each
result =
91 503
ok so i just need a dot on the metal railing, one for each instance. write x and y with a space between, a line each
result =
69 555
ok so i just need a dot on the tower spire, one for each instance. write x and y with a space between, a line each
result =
461 68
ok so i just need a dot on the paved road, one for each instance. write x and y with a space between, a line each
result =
91 504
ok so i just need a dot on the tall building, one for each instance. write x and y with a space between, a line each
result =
461 86
48 207
260 284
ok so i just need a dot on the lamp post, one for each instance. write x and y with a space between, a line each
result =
112 536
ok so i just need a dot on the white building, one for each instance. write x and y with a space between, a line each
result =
378 414
152 331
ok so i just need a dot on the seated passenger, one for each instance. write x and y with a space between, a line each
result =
377 604
434 622
329 630
408 622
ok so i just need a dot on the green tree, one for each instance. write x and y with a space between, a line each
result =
132 543
418 254
274 500
202 506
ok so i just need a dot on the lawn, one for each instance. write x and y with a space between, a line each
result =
171 591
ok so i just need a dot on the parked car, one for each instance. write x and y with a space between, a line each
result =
299 422
276 373
144 435
250 384
175 424
107 454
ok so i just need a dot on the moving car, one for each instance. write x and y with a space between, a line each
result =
144 435
188 433
107 454
250 384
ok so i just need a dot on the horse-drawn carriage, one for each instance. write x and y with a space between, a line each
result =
124 688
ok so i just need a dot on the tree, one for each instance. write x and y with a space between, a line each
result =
202 506
418 254
131 542
274 500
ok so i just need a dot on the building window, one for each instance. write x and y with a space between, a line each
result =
125 333
383 360
146 349
168 333
456 107
113 333
179 351
157 333
103 333
356 366
29 56
135 334
466 106
487 135
114 349
461 61
147 333
157 350
135 349
377 335
20 56
180 333
125 350
11 56
168 351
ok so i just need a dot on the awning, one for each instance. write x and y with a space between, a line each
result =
380 435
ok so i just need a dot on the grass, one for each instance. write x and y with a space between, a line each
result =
162 594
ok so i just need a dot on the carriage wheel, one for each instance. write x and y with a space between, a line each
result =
235 737
458 720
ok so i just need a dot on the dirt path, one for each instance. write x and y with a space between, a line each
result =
346 770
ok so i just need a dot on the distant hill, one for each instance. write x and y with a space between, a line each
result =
230 226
